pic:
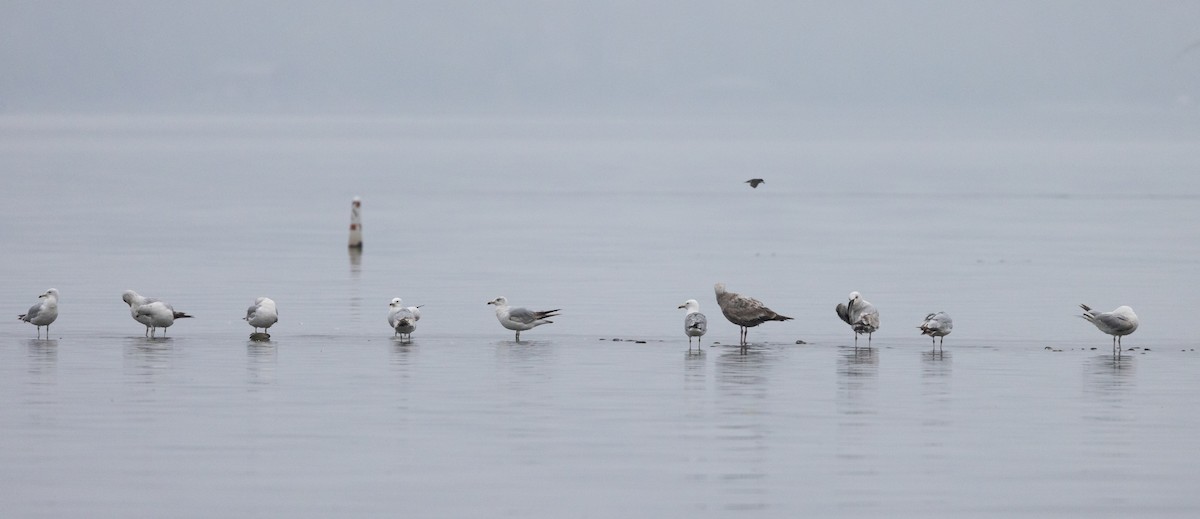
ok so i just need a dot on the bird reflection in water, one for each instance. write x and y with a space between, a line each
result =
43 356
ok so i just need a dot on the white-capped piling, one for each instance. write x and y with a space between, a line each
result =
356 241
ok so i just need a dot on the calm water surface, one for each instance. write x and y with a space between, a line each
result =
1025 411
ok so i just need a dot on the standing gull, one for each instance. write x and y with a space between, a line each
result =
694 323
262 314
937 325
861 315
1117 323
151 312
520 319
403 319
746 312
43 313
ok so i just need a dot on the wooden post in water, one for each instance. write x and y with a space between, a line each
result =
356 241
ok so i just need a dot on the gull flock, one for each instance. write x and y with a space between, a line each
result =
743 311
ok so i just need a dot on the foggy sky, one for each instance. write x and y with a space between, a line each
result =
621 56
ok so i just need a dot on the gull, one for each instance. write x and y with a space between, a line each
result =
520 319
151 312
746 312
403 319
262 314
694 323
861 315
937 325
43 313
1117 323
754 182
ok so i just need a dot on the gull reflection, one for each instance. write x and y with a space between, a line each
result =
261 359
43 356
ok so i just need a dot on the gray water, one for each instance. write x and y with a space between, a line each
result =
617 222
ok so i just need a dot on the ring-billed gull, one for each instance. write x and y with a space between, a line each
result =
746 312
151 312
861 315
43 313
1117 323
520 319
694 323
937 325
403 319
262 314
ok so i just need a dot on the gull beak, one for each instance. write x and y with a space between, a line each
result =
682 306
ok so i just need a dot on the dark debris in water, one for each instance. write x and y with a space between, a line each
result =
635 341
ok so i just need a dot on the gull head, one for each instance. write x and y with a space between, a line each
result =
691 305
395 302
52 293
128 296
855 296
720 288
499 301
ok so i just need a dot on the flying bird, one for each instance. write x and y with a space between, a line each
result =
754 182
694 322
403 319
151 312
937 325
861 315
1117 323
520 319
43 313
746 312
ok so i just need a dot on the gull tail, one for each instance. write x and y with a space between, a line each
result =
547 314
181 315
1088 314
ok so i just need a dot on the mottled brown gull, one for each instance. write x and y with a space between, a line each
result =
746 312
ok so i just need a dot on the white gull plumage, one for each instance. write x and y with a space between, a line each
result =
43 313
861 315
1117 323
403 319
151 312
262 314
936 325
694 322
520 319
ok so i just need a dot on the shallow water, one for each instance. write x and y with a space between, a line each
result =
1024 412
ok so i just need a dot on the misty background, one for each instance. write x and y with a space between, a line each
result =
619 57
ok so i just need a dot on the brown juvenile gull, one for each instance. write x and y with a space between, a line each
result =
861 315
754 182
1117 323
937 325
746 312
